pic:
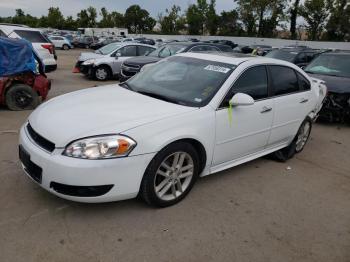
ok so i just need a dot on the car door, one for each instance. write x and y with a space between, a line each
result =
291 104
247 130
121 55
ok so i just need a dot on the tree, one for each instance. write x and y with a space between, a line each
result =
138 20
212 18
294 11
338 26
194 20
260 15
55 18
19 17
228 23
70 23
87 17
169 23
107 19
117 19
315 13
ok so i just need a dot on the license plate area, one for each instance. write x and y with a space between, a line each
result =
32 169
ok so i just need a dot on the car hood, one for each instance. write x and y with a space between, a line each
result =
142 60
96 111
89 55
335 84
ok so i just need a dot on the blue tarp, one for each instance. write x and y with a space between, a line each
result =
16 56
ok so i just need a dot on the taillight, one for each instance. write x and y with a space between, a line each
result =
48 47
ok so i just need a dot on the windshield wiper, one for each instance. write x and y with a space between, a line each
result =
158 96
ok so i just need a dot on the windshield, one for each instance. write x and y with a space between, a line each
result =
108 49
328 64
182 80
167 50
282 55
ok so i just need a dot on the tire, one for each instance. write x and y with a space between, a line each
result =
297 144
165 184
102 73
21 97
87 46
65 47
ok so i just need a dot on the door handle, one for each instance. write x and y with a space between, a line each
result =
266 109
303 100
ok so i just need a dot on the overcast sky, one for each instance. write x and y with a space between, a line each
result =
72 7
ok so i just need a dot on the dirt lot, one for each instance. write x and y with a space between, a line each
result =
260 211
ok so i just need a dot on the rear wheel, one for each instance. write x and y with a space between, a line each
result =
65 47
102 73
297 144
21 97
171 175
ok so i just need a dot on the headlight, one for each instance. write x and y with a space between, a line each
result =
100 147
89 62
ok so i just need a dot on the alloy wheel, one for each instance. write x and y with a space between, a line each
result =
173 176
303 136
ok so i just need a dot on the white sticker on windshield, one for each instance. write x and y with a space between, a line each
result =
217 69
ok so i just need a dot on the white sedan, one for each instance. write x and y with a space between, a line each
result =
186 116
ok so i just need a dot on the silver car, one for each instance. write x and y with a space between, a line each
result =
105 63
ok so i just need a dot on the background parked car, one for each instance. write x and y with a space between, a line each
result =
132 66
334 69
144 40
61 42
300 57
41 44
84 42
102 43
224 42
108 60
22 77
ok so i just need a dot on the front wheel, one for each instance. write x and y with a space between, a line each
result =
65 47
102 73
21 97
171 175
297 144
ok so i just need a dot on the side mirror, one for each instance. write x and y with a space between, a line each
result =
117 55
241 99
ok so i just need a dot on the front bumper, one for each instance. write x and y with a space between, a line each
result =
125 174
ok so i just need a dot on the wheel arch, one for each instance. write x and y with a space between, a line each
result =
198 146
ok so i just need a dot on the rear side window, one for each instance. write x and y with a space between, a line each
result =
252 82
284 80
144 50
32 36
303 82
128 51
203 48
225 48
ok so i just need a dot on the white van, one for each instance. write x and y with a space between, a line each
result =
41 44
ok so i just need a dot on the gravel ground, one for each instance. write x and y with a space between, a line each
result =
259 211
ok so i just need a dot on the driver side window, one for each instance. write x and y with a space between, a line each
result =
252 82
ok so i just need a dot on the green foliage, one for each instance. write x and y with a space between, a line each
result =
315 13
138 20
325 19
228 23
172 22
338 26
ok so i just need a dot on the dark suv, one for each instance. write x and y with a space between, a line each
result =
132 66
299 56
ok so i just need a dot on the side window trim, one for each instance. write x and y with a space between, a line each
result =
269 86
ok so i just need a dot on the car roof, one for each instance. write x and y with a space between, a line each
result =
228 58
235 58
12 27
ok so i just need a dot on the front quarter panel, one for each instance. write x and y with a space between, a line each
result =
198 124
